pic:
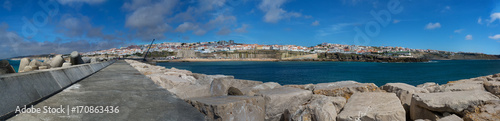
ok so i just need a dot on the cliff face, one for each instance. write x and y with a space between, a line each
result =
366 58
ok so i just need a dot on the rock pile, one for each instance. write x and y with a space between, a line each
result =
223 98
57 61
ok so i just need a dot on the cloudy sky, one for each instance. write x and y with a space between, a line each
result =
61 26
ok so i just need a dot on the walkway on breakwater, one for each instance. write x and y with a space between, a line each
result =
118 85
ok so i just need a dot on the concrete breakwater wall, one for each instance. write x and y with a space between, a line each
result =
20 89
222 98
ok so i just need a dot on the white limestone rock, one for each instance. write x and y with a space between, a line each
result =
344 88
373 106
285 98
230 108
446 102
404 92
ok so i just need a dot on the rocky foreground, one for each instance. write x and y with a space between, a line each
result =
222 98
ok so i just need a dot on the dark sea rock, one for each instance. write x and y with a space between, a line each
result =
234 91
6 68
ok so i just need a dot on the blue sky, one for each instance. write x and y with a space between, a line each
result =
26 27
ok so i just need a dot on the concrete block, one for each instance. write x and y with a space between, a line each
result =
230 108
24 88
74 73
60 77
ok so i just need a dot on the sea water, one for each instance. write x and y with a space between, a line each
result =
303 72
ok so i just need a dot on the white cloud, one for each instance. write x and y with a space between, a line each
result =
80 26
185 27
459 30
274 12
200 32
15 45
315 23
433 26
495 37
242 29
446 9
494 17
468 37
224 31
334 29
148 18
206 5
479 20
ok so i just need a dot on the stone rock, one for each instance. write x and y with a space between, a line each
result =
28 68
93 60
86 59
234 91
6 68
495 79
425 104
320 108
464 85
492 87
339 102
452 117
431 87
373 106
42 67
230 108
422 120
404 92
251 91
344 88
35 64
207 79
24 62
46 61
66 64
496 75
75 58
180 87
489 111
56 61
306 86
285 98
220 86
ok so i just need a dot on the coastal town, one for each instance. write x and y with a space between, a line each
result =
231 46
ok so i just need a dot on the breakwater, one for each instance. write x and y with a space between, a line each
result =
19 89
222 97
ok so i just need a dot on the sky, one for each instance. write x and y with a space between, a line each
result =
32 27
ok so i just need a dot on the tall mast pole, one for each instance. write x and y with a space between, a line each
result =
146 55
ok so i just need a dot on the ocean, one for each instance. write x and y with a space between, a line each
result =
15 64
300 72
